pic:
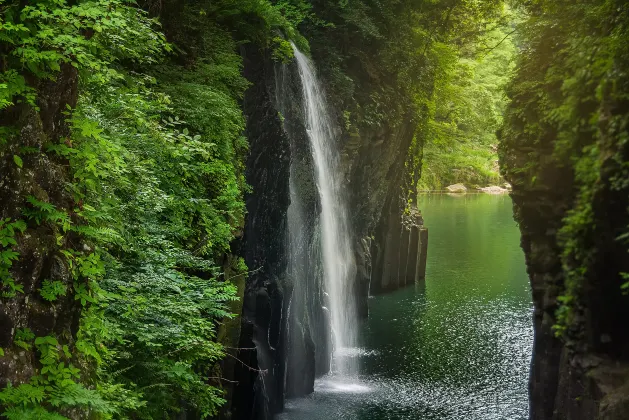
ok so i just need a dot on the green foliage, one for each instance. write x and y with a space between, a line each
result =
461 145
566 132
8 255
156 164
381 58
18 161
382 61
12 84
157 169
45 35
282 50
171 190
23 338
43 211
155 159
56 386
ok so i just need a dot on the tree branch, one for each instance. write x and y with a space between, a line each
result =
498 44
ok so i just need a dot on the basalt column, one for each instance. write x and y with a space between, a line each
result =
400 249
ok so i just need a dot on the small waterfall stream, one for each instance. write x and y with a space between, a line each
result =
336 251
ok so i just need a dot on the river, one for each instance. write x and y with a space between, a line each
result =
456 346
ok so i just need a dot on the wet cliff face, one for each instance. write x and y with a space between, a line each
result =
565 153
379 120
375 158
260 374
308 343
584 374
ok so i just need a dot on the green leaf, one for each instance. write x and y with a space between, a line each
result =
18 160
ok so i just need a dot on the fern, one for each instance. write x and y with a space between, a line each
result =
31 413
23 338
22 395
43 211
51 290
8 255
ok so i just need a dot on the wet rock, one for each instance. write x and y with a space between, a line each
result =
259 393
422 256
399 259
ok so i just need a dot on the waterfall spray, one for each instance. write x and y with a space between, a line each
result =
338 259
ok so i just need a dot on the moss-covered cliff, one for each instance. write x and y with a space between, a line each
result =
565 150
122 158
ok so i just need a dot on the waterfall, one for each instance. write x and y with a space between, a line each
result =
336 251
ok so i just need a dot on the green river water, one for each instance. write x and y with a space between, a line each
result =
455 347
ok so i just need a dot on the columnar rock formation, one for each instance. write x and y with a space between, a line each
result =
400 251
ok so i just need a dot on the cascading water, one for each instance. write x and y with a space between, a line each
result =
338 260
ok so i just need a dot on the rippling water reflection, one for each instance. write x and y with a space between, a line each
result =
456 347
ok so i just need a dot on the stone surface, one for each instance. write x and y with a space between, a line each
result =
456 188
422 256
585 374
494 189
400 260
308 346
260 371
284 316
43 176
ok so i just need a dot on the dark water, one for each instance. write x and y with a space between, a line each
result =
455 347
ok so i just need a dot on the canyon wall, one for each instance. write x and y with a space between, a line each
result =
564 149
136 119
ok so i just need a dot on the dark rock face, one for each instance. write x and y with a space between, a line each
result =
308 335
542 253
40 258
574 378
374 161
260 391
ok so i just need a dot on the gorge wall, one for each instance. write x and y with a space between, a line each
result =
564 149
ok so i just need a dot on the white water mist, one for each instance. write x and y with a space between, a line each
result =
338 258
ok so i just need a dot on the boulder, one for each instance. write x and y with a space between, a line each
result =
457 188
494 189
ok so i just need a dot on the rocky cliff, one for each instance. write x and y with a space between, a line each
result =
564 149
260 391
285 336
44 178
